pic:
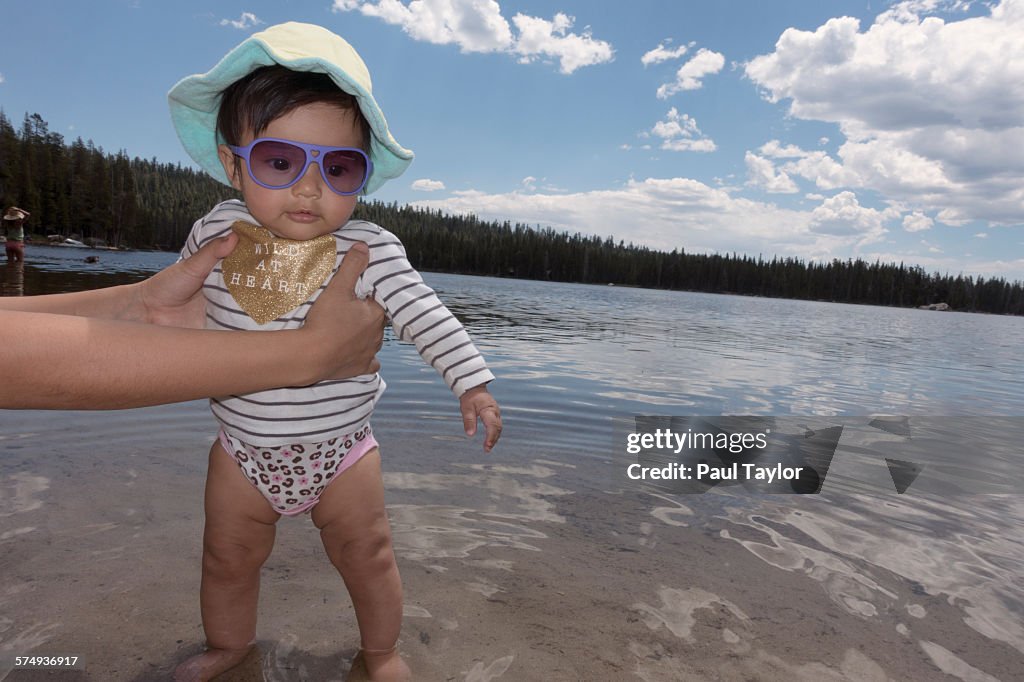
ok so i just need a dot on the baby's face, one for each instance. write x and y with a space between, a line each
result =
309 208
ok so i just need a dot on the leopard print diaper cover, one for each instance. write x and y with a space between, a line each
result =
292 477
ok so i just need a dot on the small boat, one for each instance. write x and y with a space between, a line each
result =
73 243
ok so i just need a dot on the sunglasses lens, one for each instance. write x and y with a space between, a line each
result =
275 164
345 170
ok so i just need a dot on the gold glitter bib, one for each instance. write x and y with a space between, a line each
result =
268 276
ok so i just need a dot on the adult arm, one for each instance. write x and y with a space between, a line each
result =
173 296
88 352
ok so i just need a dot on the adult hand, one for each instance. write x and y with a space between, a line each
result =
174 296
346 331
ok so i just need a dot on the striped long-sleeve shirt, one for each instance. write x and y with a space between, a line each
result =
324 410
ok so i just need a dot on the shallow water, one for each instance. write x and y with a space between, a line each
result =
933 568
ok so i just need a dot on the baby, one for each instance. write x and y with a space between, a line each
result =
289 120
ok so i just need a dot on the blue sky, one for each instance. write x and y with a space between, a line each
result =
880 130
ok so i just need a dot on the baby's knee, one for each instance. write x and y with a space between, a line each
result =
232 560
371 550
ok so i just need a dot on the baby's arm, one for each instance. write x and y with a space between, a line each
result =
417 315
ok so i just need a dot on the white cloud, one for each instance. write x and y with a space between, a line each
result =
1 78
1009 269
247 20
679 133
529 183
479 26
427 185
981 235
473 25
911 10
859 165
663 213
662 54
899 75
821 169
776 150
761 172
917 222
689 75
931 109
687 145
843 216
539 37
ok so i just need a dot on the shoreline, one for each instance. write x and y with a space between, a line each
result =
925 308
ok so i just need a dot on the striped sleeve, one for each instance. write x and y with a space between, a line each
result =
417 315
214 225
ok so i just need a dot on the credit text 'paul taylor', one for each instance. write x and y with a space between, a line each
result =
707 472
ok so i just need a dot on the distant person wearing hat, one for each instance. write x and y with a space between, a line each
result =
14 230
288 119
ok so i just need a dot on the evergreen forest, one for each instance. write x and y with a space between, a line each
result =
79 190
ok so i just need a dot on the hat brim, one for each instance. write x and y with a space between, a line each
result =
195 100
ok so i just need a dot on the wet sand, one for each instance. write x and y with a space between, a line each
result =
523 565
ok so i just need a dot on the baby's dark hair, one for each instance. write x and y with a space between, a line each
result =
266 94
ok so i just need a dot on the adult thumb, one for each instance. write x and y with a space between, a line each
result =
352 266
202 261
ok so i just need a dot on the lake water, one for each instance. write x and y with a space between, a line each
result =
570 359
584 353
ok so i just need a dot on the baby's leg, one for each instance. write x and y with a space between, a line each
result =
237 540
357 537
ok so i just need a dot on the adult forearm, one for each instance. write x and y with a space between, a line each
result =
113 303
67 362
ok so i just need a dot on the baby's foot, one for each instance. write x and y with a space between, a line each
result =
209 664
386 666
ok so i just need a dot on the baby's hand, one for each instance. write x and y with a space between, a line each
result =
477 402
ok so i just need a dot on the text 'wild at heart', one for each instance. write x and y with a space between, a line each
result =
268 276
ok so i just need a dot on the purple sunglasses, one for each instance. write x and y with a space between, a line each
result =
277 164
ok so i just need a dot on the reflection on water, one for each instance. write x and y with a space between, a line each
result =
13 279
613 350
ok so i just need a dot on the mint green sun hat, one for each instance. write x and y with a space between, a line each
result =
195 100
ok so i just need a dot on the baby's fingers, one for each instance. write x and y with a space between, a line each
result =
491 417
469 419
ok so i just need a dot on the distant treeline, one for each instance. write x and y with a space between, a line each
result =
80 190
